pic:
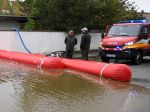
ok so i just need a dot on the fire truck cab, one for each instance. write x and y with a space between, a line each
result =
126 40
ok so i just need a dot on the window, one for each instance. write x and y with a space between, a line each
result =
124 30
145 30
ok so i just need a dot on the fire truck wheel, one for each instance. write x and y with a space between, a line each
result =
105 59
138 58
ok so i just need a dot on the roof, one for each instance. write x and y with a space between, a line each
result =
21 19
144 12
134 22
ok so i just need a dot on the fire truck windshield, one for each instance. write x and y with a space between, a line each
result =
124 30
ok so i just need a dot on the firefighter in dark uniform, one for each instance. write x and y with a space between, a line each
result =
85 43
70 42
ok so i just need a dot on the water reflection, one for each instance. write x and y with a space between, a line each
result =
27 89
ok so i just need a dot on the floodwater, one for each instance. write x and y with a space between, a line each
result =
25 88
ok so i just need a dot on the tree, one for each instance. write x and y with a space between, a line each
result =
30 25
27 6
8 7
62 15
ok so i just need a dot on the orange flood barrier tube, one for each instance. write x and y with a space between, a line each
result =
119 72
32 59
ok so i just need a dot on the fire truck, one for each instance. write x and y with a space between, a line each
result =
128 40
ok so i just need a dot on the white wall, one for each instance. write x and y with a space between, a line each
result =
40 42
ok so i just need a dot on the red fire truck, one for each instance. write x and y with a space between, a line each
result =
126 40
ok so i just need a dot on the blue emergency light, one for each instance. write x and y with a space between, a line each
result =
118 47
135 21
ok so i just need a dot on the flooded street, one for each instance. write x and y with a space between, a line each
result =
141 73
25 88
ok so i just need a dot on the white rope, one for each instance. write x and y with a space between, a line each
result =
42 62
57 54
101 73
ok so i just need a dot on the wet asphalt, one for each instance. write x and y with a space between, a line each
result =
141 73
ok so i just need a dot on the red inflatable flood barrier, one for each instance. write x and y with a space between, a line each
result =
32 59
119 72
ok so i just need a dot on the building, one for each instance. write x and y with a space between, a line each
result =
8 22
143 14
147 15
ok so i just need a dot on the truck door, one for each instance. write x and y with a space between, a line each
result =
149 35
148 47
145 39
144 34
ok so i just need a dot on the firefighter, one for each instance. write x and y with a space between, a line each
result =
85 43
70 42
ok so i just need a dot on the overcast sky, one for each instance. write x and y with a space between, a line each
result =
142 4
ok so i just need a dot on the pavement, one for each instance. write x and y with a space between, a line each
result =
141 73
92 53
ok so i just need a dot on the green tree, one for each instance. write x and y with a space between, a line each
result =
30 25
8 7
62 15
27 6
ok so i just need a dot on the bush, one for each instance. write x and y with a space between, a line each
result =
30 25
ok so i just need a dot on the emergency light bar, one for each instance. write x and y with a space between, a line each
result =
134 21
